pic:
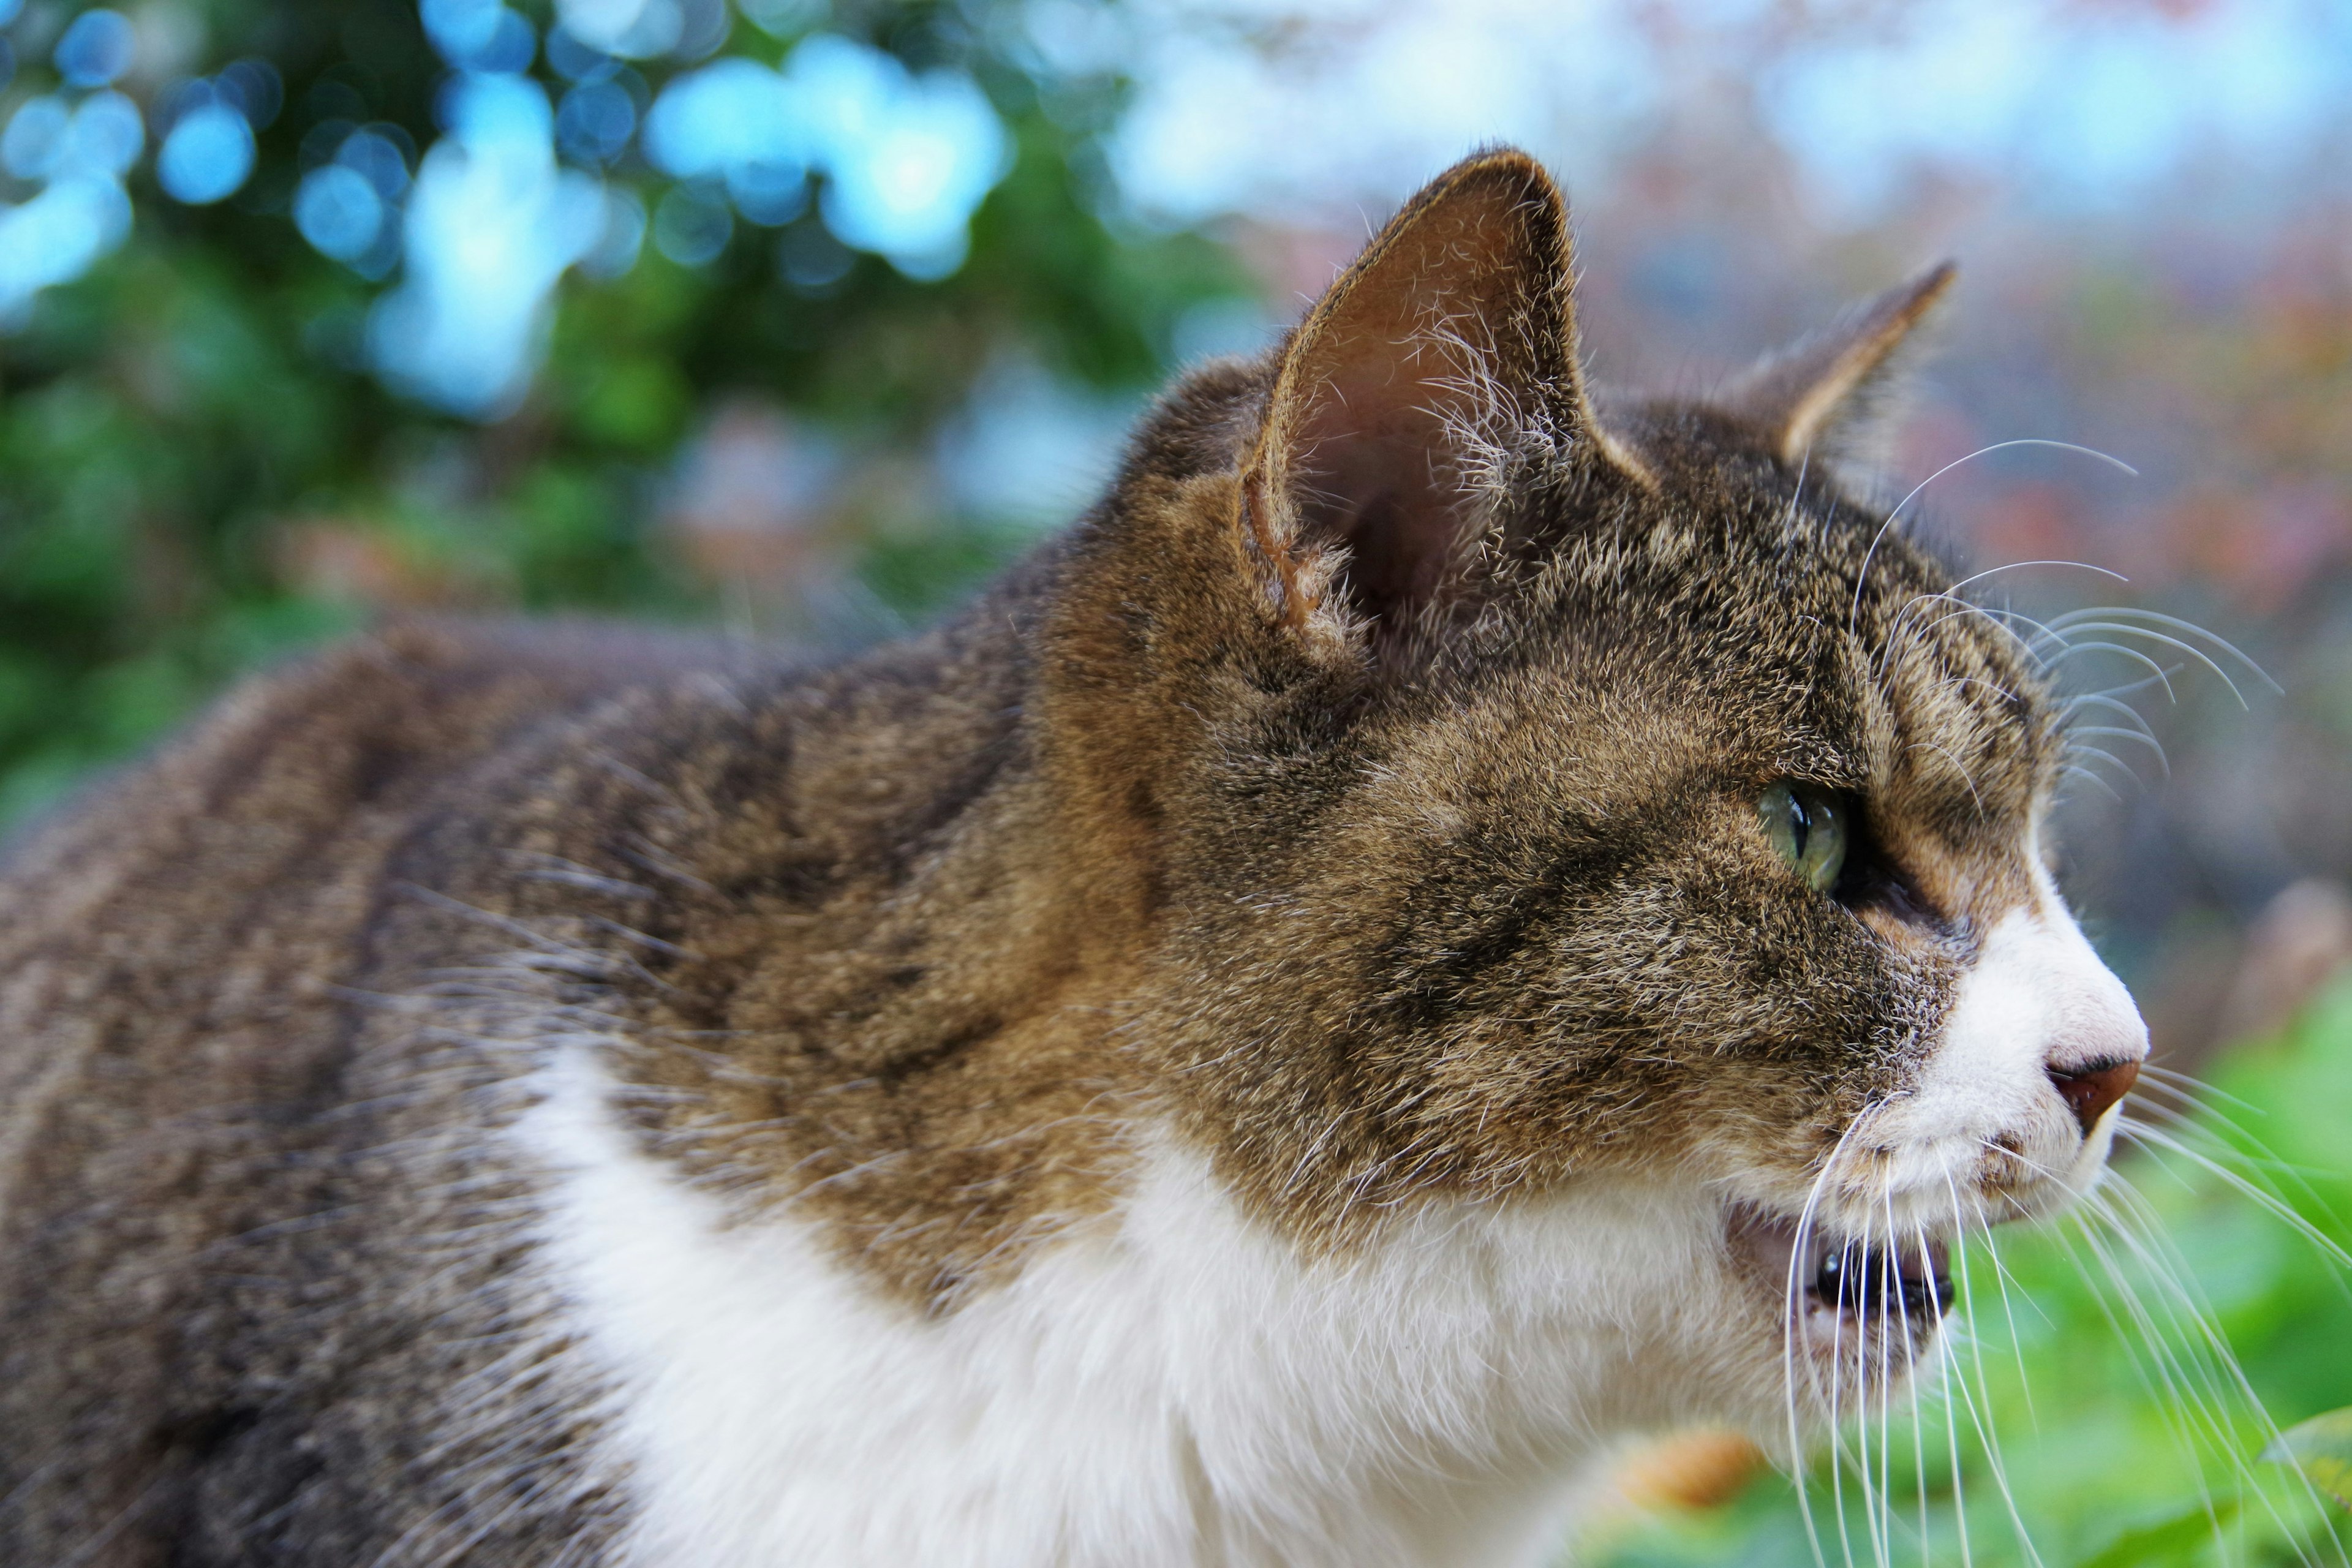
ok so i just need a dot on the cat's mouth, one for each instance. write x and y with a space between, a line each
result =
1842 1291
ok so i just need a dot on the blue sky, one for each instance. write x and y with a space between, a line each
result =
2074 105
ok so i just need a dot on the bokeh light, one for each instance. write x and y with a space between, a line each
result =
78 152
642 29
910 157
906 159
96 47
339 212
492 223
896 161
596 121
207 155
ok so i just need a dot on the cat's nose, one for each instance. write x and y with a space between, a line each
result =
2089 1091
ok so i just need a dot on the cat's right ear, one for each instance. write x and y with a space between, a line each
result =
1435 366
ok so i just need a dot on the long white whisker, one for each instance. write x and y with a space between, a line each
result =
1796 496
2199 1338
2162 677
2126 628
1957 766
1890 1279
1792 1326
2002 1278
2099 753
1944 1359
2270 1203
1985 1435
2020 565
2068 770
1870 1494
2146 1236
1998 618
2167 1404
2142 736
1918 1436
1853 615
2101 699
2247 1151
1799 1252
2176 623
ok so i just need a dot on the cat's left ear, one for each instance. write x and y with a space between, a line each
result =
1820 395
1433 371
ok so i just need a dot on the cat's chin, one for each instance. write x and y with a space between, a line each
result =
1850 1311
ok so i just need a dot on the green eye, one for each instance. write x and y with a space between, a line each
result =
1808 829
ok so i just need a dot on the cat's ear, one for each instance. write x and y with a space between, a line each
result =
1819 394
1422 380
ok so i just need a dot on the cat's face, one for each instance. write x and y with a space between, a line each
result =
1541 805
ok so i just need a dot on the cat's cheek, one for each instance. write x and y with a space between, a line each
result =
1983 1133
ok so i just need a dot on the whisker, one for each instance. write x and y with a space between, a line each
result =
1796 496
1799 1250
1985 1435
2270 1203
2002 1278
2176 623
2020 565
1892 1283
1853 615
2126 628
2248 1149
2103 701
1957 766
2162 677
2142 736
2007 693
2167 1405
2069 769
1998 618
2099 753
2215 1362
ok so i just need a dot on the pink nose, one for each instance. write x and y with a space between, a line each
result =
2089 1093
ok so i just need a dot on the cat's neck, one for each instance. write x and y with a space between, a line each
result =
1167 1383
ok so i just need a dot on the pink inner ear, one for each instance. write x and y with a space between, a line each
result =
1369 439
1378 470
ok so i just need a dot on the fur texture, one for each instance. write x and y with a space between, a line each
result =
1275 1037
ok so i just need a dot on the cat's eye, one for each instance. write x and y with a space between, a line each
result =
1808 827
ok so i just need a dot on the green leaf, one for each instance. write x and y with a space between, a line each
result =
2321 1448
2173 1538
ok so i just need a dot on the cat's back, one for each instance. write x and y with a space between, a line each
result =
178 1137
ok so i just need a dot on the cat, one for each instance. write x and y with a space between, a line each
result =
1442 923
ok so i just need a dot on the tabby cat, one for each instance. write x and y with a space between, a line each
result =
1440 925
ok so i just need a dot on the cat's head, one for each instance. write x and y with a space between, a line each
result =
1516 796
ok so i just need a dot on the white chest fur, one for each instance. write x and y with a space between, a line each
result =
1175 1386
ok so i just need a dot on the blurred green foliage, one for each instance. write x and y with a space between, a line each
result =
2321 1447
197 473
2100 1353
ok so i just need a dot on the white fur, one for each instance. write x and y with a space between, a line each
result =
1173 1387
2037 1000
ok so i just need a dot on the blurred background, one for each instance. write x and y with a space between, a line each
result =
803 317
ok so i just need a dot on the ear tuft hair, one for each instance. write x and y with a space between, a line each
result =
1437 359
